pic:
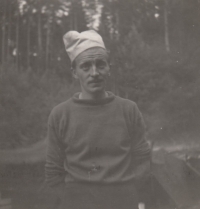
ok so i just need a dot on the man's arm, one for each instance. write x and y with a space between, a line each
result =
54 167
141 150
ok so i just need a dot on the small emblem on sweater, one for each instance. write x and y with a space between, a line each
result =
94 168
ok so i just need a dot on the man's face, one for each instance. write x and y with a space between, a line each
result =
92 70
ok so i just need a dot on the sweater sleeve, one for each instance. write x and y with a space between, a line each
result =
54 167
141 149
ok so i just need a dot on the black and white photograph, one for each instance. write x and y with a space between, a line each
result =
99 104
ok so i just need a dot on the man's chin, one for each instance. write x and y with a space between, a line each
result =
97 90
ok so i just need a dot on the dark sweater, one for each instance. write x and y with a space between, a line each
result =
98 142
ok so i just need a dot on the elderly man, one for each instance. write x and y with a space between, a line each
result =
97 154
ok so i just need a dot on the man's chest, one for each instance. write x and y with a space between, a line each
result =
93 129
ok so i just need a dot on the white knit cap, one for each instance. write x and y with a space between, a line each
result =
76 42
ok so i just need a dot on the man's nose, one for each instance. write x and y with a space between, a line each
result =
95 71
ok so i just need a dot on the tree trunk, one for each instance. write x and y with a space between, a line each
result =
48 32
3 38
75 17
52 51
39 37
17 42
72 17
28 40
9 31
117 23
167 45
181 33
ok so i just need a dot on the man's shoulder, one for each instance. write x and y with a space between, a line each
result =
61 108
125 102
128 106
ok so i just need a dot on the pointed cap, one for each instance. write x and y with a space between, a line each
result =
76 43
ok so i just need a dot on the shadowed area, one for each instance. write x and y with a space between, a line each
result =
32 154
175 180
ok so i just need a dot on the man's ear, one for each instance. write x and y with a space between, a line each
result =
74 74
109 71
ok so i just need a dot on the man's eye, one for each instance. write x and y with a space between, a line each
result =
101 64
85 66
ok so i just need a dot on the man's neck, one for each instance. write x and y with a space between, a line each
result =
101 95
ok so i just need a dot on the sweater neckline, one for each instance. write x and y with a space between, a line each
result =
103 101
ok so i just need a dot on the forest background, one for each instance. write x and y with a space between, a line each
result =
154 47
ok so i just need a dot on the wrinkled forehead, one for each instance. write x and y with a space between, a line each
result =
92 53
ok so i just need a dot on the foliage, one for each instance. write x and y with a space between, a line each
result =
153 51
26 101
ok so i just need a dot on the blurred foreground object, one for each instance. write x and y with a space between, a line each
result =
175 179
5 203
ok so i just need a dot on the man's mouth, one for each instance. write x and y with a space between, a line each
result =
95 81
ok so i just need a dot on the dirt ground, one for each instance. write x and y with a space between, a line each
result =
21 186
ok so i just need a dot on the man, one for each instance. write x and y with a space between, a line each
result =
97 154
